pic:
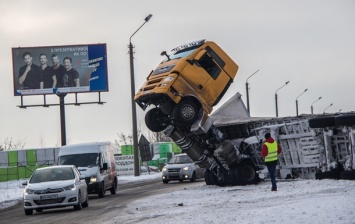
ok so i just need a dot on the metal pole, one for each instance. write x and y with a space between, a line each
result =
314 103
134 114
297 108
312 109
247 91
62 118
297 100
277 112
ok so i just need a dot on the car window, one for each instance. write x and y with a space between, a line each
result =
56 174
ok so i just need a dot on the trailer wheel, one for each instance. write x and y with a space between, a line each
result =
327 175
245 173
345 120
321 122
186 112
153 120
347 175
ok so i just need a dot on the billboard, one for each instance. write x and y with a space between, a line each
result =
60 69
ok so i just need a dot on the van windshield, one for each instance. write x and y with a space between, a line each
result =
80 160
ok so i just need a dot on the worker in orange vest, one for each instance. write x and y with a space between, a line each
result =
270 151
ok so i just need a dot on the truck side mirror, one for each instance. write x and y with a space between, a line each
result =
200 55
104 166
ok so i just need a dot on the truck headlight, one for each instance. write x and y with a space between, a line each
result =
92 179
186 168
165 169
70 187
168 79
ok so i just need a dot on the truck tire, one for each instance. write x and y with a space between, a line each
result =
210 178
321 122
345 120
101 190
245 173
347 175
185 112
327 175
153 120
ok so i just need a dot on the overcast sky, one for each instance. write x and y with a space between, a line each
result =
310 43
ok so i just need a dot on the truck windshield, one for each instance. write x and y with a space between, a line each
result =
80 160
181 54
180 160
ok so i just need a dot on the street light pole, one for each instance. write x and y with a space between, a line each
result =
327 108
134 113
314 103
247 90
277 110
297 101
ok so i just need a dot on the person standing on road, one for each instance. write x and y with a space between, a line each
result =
270 150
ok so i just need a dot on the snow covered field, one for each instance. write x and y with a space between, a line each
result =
296 201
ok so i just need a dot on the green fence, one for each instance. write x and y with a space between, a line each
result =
18 172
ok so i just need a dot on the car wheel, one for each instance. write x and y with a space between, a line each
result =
114 187
78 206
185 112
245 173
85 204
181 181
165 181
39 210
321 122
28 211
102 190
193 178
345 120
153 120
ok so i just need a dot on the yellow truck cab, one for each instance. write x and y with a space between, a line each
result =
196 75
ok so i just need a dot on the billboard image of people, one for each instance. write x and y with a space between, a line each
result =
60 69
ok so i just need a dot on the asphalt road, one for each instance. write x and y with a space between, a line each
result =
100 209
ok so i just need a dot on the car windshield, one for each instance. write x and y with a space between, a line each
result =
180 160
80 160
55 174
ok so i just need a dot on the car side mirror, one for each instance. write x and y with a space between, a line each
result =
25 183
104 166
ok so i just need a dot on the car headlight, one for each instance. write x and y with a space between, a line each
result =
29 191
165 169
92 179
70 187
186 168
168 79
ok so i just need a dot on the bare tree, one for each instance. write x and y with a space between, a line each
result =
10 144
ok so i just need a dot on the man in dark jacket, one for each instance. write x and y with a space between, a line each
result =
271 149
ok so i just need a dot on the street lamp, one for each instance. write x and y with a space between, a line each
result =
314 103
327 108
247 88
297 101
277 110
133 91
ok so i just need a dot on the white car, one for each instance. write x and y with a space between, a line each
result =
54 187
181 167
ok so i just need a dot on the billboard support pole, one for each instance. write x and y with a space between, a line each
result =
62 117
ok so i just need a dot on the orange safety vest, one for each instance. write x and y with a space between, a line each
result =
272 151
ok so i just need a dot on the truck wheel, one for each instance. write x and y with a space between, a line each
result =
185 112
193 178
101 190
347 175
114 187
321 122
207 177
153 120
327 175
345 120
245 173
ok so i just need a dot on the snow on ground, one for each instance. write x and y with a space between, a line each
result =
296 201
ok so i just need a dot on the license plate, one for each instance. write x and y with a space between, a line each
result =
52 196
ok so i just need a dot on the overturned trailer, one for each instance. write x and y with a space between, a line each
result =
228 143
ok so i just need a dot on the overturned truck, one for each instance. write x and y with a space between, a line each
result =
181 93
